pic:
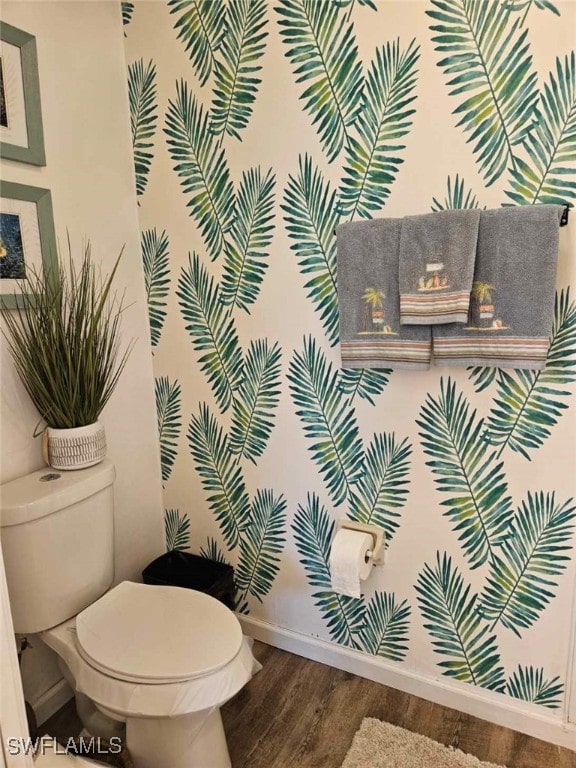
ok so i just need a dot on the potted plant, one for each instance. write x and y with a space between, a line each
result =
65 343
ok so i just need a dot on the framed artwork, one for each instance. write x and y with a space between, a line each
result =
27 238
21 134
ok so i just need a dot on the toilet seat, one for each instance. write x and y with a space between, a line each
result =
157 635
123 699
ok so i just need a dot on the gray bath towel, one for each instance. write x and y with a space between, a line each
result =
437 252
512 305
370 332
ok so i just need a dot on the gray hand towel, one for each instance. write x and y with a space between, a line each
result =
437 253
512 304
370 332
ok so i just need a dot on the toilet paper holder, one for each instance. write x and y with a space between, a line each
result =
377 551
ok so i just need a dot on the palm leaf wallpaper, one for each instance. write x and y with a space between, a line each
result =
261 546
373 151
201 166
201 29
168 413
258 396
459 635
486 55
364 382
211 330
127 11
221 475
321 46
177 529
481 509
155 259
457 196
529 684
382 488
143 117
311 217
247 246
544 172
528 404
235 82
282 119
332 428
519 585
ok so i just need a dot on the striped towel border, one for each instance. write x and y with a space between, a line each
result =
445 308
382 354
509 351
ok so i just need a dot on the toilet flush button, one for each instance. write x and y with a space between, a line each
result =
157 634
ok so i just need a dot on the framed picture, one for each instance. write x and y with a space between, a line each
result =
27 238
21 134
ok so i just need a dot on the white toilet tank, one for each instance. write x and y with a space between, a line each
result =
57 535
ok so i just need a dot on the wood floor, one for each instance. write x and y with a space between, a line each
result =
301 714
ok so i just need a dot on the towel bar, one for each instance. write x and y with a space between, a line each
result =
563 218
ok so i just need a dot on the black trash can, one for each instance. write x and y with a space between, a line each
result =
182 569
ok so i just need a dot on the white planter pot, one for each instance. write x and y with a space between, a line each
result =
76 448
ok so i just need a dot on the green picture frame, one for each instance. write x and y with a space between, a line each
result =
34 240
27 86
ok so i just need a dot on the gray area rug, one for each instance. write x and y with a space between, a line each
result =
381 745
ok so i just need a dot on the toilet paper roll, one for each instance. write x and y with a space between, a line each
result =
349 562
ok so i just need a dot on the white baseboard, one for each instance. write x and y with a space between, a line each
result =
48 703
494 707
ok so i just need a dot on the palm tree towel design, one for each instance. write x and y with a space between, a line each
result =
374 315
516 260
482 315
369 300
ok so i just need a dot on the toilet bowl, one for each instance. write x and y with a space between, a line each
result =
163 660
160 659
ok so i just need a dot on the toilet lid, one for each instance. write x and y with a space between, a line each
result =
156 634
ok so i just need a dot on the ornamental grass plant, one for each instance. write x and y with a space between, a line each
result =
65 340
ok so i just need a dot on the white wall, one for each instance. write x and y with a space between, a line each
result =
90 173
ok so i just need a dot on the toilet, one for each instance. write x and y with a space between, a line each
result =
158 661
